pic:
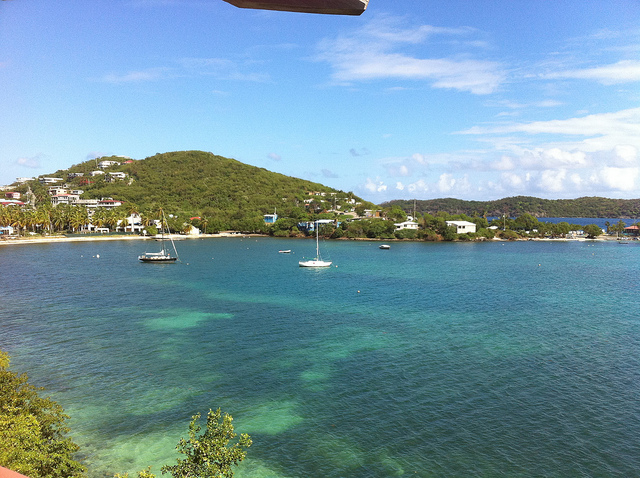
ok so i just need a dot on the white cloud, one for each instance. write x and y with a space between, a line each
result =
404 170
446 182
33 162
504 164
512 180
626 153
620 122
622 179
552 180
552 158
625 71
371 54
151 74
576 179
375 186
419 158
274 156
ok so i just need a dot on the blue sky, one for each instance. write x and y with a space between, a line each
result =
413 99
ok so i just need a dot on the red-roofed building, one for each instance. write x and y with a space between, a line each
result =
632 230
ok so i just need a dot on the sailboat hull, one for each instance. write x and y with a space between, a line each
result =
314 263
157 259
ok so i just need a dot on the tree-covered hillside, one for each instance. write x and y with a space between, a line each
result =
201 184
519 205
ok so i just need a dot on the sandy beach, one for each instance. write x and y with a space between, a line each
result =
129 237
91 238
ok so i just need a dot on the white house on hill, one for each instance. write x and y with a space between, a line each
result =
406 225
462 227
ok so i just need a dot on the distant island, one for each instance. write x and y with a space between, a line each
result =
204 193
518 205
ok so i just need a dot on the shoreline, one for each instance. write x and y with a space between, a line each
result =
97 238
127 237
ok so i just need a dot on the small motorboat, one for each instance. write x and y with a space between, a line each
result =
385 246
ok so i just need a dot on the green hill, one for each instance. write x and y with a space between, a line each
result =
197 183
519 205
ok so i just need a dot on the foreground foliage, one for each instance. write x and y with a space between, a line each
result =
33 438
209 455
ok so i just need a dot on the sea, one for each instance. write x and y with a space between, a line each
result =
494 359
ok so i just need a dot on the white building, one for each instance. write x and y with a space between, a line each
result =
44 180
462 227
107 163
109 203
115 176
406 225
55 190
64 199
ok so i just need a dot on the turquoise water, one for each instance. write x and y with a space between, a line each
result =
430 360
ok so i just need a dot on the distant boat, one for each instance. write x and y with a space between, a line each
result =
317 261
287 251
385 246
163 256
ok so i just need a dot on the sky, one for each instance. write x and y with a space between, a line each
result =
414 99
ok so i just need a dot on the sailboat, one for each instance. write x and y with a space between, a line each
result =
317 261
163 256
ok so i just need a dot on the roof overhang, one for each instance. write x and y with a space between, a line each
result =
331 7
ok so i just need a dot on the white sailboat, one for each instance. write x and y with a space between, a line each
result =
164 256
317 261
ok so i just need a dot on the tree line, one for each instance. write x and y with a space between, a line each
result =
519 205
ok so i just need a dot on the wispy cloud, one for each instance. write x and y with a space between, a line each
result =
218 68
150 74
222 68
356 153
625 71
33 162
374 53
621 123
327 173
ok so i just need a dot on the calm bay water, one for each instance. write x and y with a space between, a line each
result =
431 360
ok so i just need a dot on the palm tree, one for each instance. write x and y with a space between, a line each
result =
17 219
112 219
204 222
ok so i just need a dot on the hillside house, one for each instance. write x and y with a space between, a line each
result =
11 202
406 225
270 218
74 175
462 227
56 190
107 164
64 199
115 176
96 173
12 195
109 203
47 180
